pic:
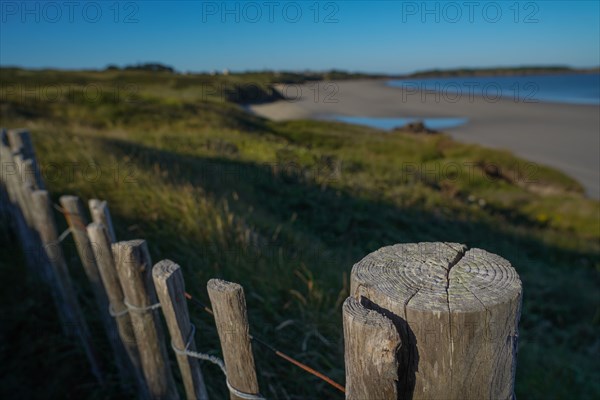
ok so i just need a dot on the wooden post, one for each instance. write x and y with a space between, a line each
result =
74 214
128 363
10 172
26 185
62 286
31 240
229 307
15 190
134 269
21 208
170 286
4 162
101 214
20 176
371 343
21 143
9 169
456 311
22 198
31 175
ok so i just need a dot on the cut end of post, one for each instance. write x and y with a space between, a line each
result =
362 315
164 269
95 203
68 199
131 254
100 213
20 142
220 285
128 245
39 197
436 277
74 211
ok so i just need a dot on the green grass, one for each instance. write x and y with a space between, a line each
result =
285 209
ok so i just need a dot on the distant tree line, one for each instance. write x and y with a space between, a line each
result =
151 67
506 71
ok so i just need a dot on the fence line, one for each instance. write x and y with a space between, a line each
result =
73 211
439 289
104 215
39 239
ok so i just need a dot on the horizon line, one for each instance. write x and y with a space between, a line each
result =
308 70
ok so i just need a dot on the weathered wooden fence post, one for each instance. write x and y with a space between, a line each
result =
101 214
371 345
4 162
134 269
229 307
21 144
108 272
24 199
456 312
60 281
19 178
170 286
11 180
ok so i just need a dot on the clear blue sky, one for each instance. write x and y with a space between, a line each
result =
392 36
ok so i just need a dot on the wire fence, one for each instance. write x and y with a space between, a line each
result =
16 204
73 220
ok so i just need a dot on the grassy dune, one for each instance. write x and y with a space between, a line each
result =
285 209
502 71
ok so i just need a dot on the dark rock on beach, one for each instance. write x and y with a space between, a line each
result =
415 127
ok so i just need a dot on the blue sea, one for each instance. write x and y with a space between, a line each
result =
583 89
391 123
567 88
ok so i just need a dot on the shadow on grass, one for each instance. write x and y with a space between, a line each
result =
337 218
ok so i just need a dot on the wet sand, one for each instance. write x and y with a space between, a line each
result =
563 136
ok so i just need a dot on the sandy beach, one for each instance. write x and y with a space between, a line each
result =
566 137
